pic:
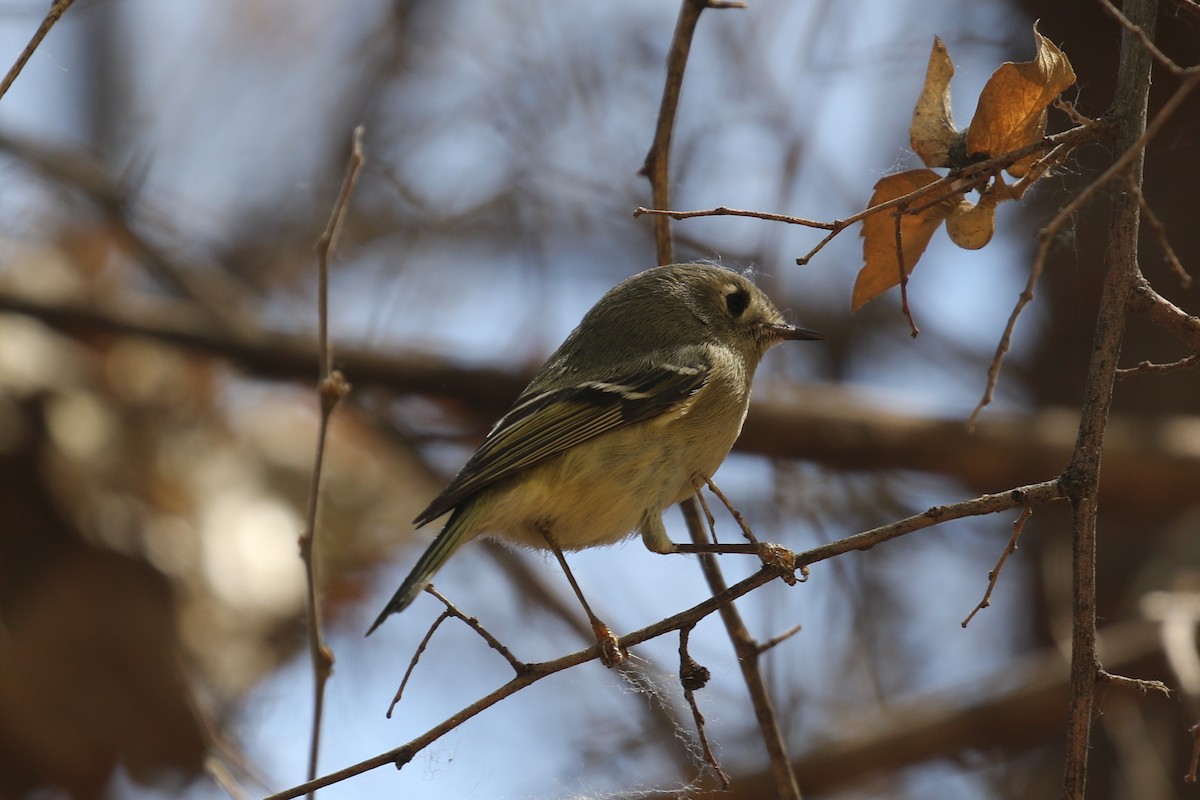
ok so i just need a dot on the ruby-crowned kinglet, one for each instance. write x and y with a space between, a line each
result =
642 400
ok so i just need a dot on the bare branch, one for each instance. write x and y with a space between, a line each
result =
57 9
331 389
694 676
994 575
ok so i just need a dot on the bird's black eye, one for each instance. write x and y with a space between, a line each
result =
736 301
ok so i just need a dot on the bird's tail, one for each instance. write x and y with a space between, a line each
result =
452 536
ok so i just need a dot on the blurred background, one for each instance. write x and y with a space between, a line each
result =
166 169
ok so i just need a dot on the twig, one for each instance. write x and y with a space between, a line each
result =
1032 495
412 663
724 211
737 515
1141 36
331 389
912 324
994 575
1081 478
328 242
694 676
1151 368
657 163
779 638
1137 684
708 514
1160 231
1195 765
57 9
1162 312
474 624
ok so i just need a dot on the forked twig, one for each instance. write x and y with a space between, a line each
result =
412 664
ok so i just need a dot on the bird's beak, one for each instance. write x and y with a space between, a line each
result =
793 333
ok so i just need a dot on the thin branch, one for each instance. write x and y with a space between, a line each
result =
914 331
657 164
1140 35
331 389
1151 368
724 211
1195 765
328 242
1032 495
412 663
1136 684
57 9
694 676
474 624
1165 314
1160 231
994 575
779 638
737 515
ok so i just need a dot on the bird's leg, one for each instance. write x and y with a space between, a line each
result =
611 653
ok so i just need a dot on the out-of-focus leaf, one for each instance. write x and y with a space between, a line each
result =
932 133
1012 106
880 270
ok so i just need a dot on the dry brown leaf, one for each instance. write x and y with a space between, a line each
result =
1012 106
880 271
932 133
971 225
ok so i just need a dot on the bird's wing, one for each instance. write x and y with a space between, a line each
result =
544 423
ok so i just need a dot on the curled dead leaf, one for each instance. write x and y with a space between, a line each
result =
1012 106
881 270
971 225
932 132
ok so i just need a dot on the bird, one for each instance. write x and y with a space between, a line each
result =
640 403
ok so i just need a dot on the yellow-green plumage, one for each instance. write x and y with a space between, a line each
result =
644 398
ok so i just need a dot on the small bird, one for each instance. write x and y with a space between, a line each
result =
643 400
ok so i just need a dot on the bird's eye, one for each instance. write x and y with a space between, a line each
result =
736 301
